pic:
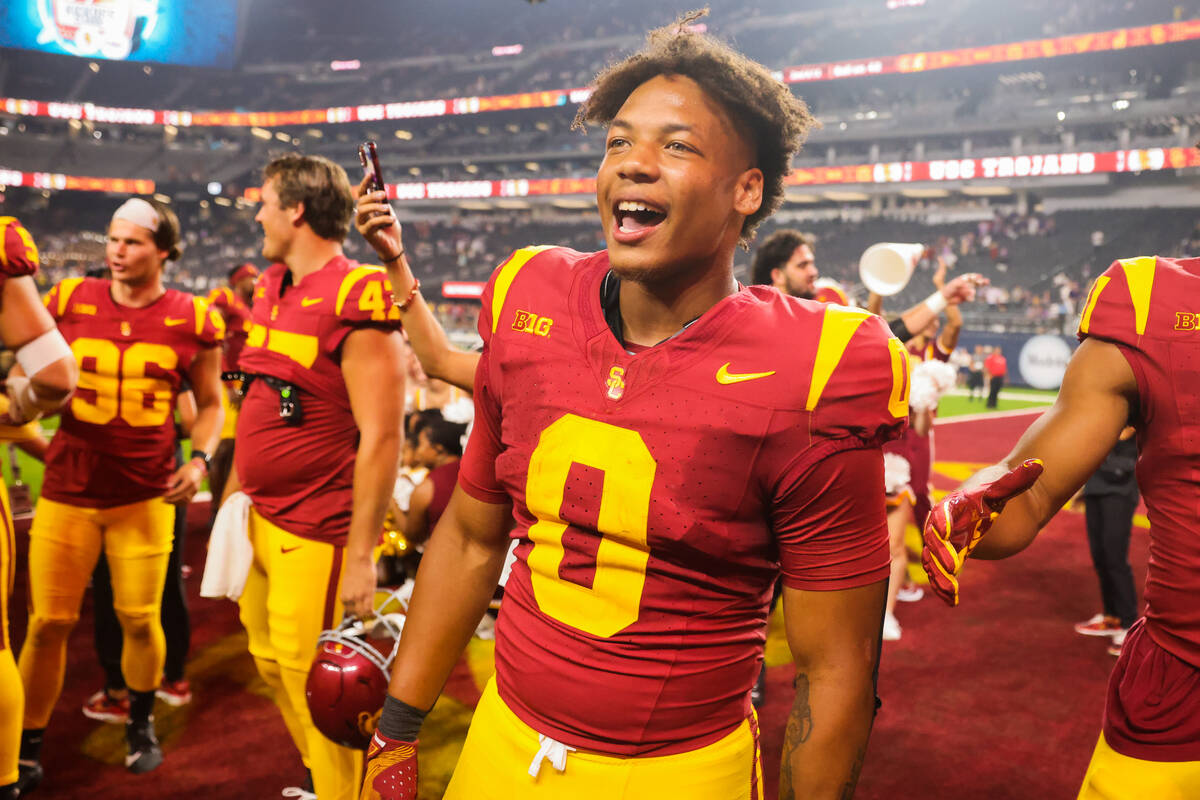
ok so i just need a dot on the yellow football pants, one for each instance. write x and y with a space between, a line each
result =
64 545
496 756
12 693
291 595
1112 776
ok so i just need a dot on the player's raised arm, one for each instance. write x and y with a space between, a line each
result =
439 359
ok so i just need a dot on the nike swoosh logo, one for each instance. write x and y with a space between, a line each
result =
725 376
311 301
283 549
172 322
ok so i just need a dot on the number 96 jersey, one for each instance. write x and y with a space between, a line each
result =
658 495
116 442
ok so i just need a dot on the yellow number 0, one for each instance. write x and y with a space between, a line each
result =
614 601
121 384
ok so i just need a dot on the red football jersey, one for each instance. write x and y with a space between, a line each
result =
657 496
116 442
237 324
18 253
300 477
1150 308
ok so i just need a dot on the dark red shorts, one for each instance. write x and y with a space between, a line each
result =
1153 706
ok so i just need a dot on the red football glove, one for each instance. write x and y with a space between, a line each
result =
957 524
391 770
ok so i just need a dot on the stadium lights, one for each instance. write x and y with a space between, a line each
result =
471 168
283 137
847 197
1061 115
986 191
214 187
507 50
93 66
260 133
404 135
532 166
799 197
414 171
162 198
315 133
1120 105
338 66
223 201
918 193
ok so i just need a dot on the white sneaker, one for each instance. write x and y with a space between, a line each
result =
910 593
891 628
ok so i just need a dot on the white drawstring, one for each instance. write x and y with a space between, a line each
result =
553 751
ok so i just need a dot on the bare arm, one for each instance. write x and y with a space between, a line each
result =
371 359
1096 401
457 578
959 290
186 404
205 377
24 319
439 359
834 638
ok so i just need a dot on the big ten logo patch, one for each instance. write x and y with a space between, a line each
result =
528 322
1186 321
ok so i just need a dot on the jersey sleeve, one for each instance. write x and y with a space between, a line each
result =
363 300
220 298
1118 305
19 255
58 298
210 325
477 473
830 522
858 394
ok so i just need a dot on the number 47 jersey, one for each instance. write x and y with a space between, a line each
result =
116 442
658 495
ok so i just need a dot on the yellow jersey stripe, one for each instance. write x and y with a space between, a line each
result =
505 276
901 379
348 283
201 309
1139 274
837 328
1093 298
66 288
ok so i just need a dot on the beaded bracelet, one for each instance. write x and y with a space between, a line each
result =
412 295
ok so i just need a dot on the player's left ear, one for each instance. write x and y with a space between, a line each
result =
296 214
747 194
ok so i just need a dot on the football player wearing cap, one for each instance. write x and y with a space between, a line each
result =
662 470
1138 364
232 302
318 441
48 366
110 478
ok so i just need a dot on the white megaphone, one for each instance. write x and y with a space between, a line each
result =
886 267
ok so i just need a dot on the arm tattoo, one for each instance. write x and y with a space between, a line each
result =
799 728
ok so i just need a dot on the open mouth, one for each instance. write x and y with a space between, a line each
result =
636 217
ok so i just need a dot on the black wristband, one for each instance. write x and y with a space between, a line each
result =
900 330
400 721
203 456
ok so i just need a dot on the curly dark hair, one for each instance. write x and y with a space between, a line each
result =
321 185
773 253
773 120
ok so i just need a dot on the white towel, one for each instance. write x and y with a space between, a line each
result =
230 553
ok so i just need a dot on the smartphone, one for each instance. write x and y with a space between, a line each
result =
369 157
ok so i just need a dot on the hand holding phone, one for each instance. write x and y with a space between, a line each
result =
368 155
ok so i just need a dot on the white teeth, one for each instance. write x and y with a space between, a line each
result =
629 205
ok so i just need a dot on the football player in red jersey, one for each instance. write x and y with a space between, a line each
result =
46 359
318 441
110 479
1138 364
232 302
662 470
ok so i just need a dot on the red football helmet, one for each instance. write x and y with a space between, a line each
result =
348 680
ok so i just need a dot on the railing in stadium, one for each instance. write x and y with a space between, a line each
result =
992 167
908 63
